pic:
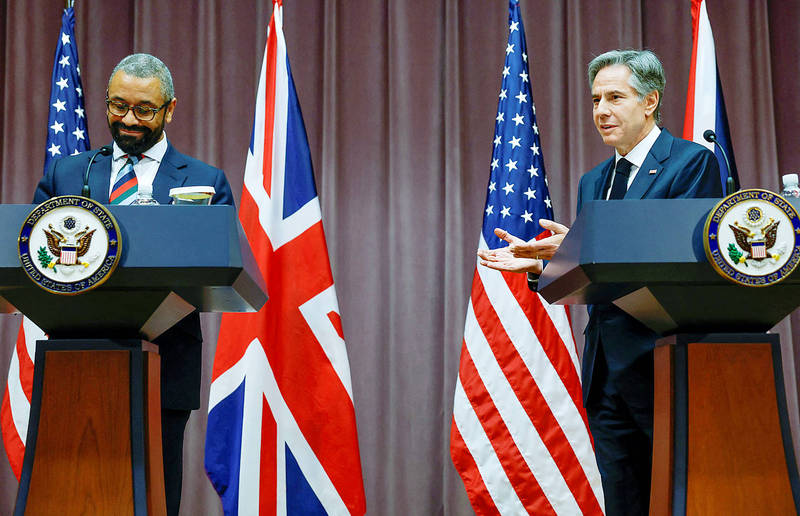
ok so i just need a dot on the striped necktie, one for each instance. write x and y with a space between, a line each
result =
126 186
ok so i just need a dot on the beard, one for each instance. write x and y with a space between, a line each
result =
134 145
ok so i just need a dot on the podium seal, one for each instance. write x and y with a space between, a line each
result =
752 237
69 244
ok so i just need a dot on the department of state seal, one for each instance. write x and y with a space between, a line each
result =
752 237
69 245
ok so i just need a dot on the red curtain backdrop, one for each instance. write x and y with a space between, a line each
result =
399 100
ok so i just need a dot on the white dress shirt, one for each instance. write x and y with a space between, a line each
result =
636 156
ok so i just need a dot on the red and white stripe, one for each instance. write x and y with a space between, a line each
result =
701 99
520 437
16 405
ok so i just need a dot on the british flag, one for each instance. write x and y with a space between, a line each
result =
281 435
66 134
519 437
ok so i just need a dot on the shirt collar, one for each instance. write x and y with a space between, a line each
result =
638 154
156 152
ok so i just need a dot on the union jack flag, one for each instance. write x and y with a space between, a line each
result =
66 135
281 436
519 437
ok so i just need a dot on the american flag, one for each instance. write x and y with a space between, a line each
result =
66 135
281 435
520 438
705 104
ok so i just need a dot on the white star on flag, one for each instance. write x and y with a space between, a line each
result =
519 119
60 105
54 149
514 141
527 217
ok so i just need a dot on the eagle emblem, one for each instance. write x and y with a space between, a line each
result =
752 238
755 246
67 243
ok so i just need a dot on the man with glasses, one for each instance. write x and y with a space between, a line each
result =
140 101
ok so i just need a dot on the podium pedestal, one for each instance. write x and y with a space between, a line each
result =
94 438
90 447
721 437
722 443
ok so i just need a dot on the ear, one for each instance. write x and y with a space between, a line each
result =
651 102
169 109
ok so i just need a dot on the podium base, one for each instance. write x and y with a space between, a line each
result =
721 438
94 434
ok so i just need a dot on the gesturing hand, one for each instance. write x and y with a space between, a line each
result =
503 260
543 249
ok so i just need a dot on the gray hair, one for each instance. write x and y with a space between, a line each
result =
145 66
647 73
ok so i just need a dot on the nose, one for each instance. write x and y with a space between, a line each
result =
601 108
130 118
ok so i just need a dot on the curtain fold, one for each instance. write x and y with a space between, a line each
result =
399 100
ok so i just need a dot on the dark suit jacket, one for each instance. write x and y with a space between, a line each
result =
683 169
180 346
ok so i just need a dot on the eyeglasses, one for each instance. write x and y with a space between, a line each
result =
142 113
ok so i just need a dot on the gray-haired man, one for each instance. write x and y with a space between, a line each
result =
648 163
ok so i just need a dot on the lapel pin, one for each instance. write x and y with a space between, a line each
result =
652 171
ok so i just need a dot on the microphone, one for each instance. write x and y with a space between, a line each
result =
711 137
105 150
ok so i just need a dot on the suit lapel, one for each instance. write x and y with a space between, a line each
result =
651 167
171 173
602 181
100 178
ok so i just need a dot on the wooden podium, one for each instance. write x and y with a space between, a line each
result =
94 436
721 437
